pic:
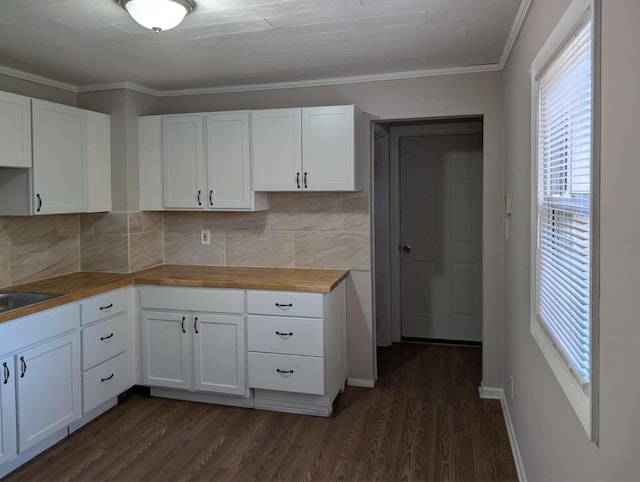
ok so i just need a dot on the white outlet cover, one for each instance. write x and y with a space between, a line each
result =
205 236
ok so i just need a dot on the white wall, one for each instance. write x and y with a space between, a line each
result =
443 96
553 444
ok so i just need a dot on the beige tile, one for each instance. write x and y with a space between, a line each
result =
306 212
183 247
135 222
333 250
28 228
87 221
69 225
183 221
355 211
258 248
105 252
43 258
231 221
146 250
152 221
5 261
111 223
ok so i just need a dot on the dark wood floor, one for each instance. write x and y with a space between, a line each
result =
423 421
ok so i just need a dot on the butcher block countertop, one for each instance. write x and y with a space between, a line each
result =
80 285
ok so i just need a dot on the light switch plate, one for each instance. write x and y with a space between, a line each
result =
205 236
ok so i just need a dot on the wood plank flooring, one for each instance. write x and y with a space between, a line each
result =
423 421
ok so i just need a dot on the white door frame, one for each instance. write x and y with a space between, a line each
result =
473 126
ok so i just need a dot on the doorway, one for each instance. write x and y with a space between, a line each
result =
434 232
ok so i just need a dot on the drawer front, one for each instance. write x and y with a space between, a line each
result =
288 373
177 298
285 303
105 381
287 335
103 306
103 341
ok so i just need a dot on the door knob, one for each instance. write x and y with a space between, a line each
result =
406 248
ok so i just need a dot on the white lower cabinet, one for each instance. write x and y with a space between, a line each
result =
39 380
48 379
8 440
200 350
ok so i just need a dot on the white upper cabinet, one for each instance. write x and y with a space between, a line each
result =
228 160
306 149
277 150
59 151
15 130
203 160
183 165
69 166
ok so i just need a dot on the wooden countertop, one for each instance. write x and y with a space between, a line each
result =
80 285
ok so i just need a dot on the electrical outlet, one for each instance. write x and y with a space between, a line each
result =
511 377
205 236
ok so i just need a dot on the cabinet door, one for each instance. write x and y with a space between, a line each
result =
59 151
277 149
228 160
220 353
328 152
8 445
166 352
15 130
183 162
48 389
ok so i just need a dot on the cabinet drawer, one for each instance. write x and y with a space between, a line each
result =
288 335
288 373
105 381
103 306
103 341
284 303
192 299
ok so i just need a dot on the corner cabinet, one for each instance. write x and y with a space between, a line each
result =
307 149
69 170
197 162
194 339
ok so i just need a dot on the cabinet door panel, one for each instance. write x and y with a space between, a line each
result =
219 353
59 150
166 352
328 135
183 162
15 130
48 389
8 446
277 149
228 160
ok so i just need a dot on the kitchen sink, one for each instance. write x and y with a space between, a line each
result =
12 300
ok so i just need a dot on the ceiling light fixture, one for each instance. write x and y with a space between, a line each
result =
158 15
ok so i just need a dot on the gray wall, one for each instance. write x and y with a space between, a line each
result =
39 91
443 96
552 441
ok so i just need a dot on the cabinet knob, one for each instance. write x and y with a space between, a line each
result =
199 200
406 248
102 380
211 197
106 307
7 373
298 179
305 181
103 338
195 325
24 367
280 333
284 372
39 203
182 324
282 305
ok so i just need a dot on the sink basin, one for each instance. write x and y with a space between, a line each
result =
17 299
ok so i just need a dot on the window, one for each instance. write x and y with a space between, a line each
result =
565 201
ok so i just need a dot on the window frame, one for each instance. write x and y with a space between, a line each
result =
584 401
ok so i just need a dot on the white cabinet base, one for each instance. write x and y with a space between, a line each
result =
231 400
275 401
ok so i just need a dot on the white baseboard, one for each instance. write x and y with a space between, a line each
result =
498 394
361 382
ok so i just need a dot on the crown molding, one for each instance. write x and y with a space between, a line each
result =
125 84
38 79
414 74
518 21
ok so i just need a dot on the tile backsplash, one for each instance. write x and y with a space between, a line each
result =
311 230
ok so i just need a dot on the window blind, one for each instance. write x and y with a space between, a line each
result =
564 164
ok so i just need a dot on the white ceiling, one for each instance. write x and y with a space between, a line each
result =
240 42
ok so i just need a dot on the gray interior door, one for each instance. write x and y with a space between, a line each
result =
441 236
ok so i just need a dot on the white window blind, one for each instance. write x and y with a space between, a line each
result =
563 276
